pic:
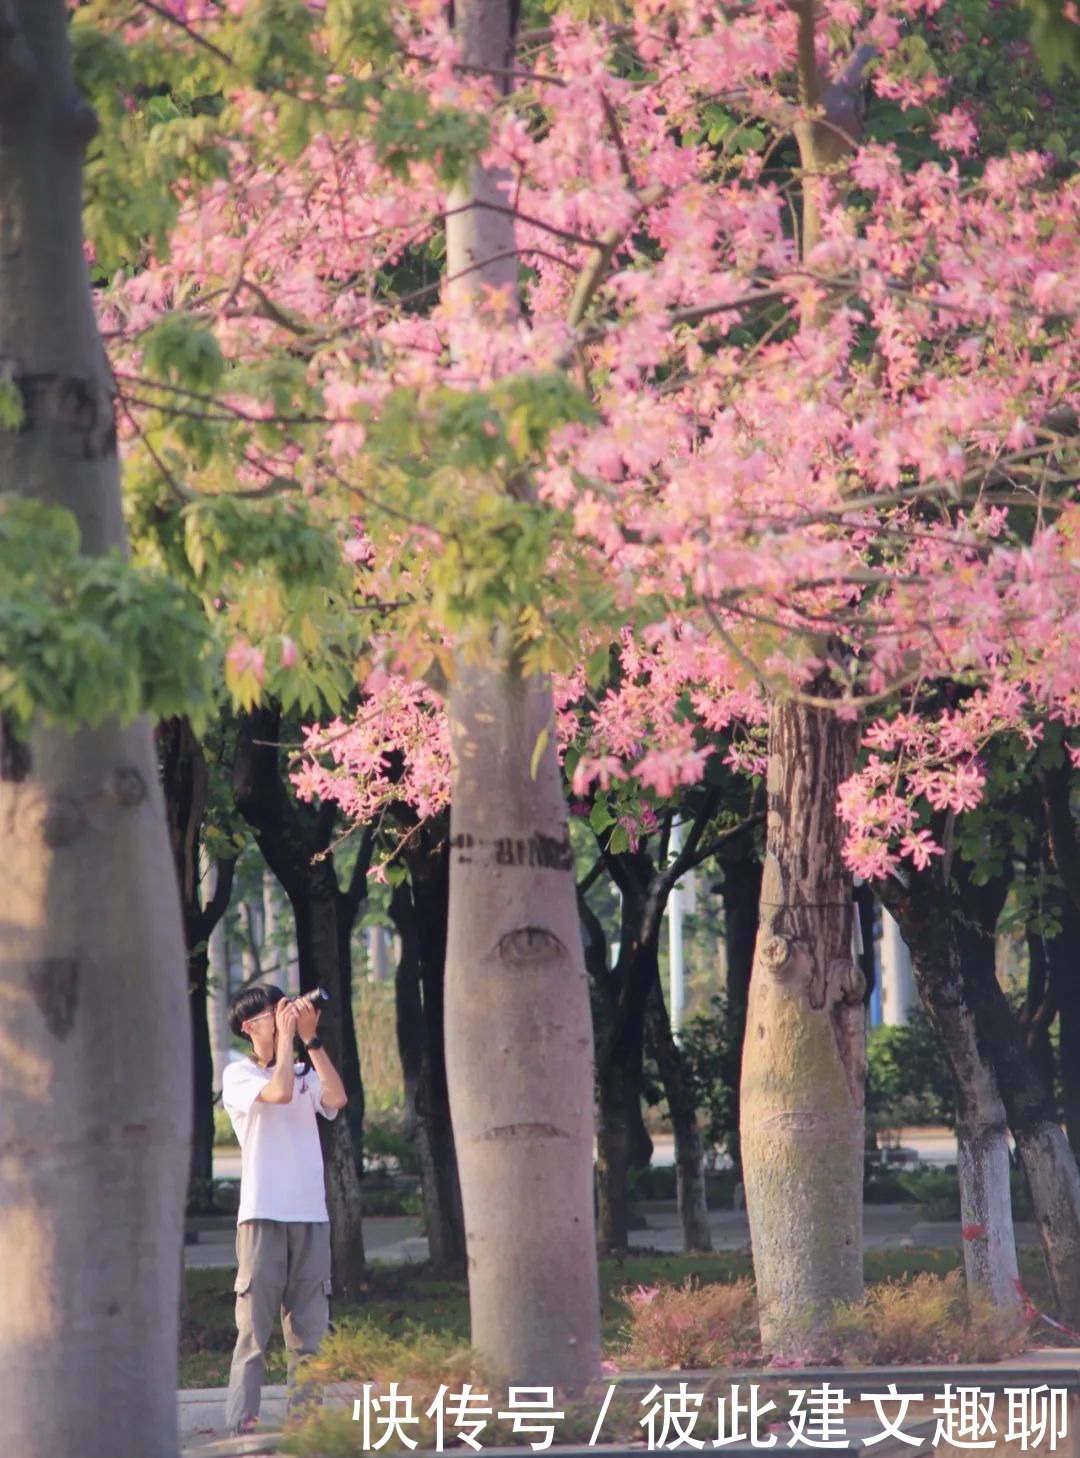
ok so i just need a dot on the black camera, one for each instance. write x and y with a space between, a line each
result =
316 999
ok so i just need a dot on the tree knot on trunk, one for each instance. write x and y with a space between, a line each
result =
124 787
776 954
528 946
55 821
54 984
73 403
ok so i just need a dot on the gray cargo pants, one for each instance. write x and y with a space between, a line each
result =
282 1267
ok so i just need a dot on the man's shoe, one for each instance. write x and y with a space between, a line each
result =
245 1426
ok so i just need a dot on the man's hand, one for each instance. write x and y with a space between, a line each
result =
280 1088
307 1019
286 1017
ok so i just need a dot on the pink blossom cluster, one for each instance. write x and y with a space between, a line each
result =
870 484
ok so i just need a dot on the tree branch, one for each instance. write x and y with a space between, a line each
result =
809 75
725 838
356 891
218 904
591 877
200 40
1061 827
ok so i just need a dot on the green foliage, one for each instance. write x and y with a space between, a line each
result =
385 1147
1055 36
83 638
986 53
908 1076
12 406
711 1056
407 130
224 1133
458 464
938 1190
156 108
391 1200
182 350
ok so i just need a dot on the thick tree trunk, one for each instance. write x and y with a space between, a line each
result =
518 1028
804 1059
689 1153
317 904
95 1108
519 1041
947 956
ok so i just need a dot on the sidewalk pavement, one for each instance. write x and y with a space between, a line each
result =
398 1240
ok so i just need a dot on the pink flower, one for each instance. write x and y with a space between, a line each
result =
955 132
288 651
242 657
643 1295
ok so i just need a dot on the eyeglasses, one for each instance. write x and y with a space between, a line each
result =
269 1013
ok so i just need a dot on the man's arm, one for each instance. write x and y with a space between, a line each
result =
280 1088
333 1090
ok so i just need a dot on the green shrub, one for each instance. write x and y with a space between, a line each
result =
386 1148
224 1133
382 1199
659 1182
908 1076
937 1190
213 1197
711 1054
885 1187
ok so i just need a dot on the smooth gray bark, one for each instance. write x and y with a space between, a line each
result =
95 1084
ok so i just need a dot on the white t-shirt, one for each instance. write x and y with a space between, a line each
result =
281 1166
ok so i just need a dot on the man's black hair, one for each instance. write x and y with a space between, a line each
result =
249 1002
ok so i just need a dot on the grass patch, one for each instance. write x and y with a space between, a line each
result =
402 1301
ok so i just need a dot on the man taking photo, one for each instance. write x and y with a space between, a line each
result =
283 1229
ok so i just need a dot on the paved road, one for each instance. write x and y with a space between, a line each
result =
930 1146
398 1240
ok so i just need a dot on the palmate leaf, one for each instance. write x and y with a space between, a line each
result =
83 638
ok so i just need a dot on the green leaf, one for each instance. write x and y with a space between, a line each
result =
12 406
538 751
